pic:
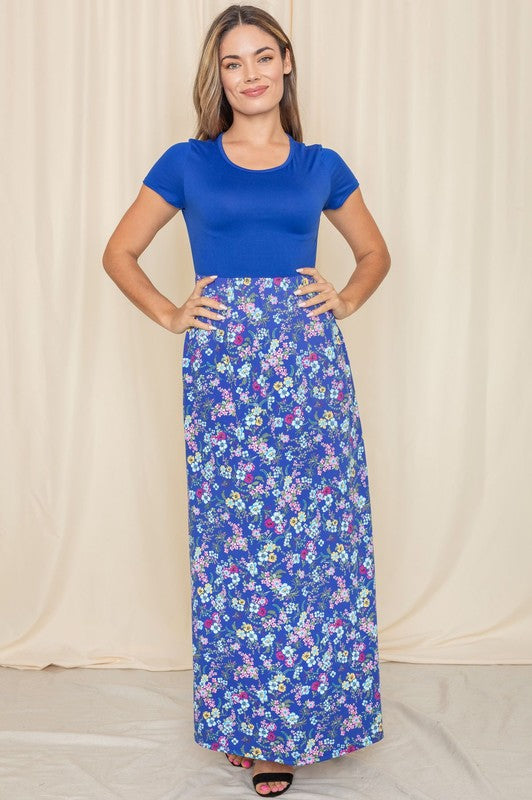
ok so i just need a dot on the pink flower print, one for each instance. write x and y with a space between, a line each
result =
263 526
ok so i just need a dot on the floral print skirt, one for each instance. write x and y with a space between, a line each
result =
284 623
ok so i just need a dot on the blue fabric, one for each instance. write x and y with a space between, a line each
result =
284 617
244 222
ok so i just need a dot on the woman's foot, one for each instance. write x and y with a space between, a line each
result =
242 761
267 787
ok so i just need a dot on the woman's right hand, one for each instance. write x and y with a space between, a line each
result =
185 316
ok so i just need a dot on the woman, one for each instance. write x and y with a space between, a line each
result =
284 631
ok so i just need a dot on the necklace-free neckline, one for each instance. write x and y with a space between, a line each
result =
247 169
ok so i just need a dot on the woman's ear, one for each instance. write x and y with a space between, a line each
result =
287 62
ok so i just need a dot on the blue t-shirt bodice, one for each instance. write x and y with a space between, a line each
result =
251 222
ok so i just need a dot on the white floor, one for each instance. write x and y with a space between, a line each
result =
451 732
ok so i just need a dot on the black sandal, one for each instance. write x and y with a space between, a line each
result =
265 777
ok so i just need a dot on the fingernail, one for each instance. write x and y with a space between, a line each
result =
224 307
213 276
297 291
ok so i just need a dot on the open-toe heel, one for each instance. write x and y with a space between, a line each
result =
266 777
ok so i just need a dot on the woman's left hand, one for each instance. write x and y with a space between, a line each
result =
327 295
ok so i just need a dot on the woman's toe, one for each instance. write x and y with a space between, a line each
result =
272 786
244 761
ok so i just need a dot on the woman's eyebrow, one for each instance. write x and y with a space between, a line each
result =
255 53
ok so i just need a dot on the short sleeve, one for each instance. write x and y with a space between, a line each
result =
167 176
342 180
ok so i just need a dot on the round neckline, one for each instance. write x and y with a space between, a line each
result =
247 169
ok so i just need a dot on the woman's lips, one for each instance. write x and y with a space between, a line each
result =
255 92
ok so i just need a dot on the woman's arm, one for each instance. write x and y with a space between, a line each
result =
373 260
143 219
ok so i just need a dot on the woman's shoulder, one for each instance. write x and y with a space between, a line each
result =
326 154
176 154
331 158
182 146
317 153
192 142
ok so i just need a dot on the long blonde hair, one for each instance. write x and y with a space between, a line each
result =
214 113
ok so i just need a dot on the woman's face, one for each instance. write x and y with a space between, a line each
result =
243 68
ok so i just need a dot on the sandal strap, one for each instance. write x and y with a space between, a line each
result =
265 777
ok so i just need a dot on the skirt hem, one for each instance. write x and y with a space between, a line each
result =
326 756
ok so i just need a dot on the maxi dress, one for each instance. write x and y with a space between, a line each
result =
284 619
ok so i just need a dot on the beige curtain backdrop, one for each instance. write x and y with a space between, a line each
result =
429 103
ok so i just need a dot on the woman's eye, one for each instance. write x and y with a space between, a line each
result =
235 64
